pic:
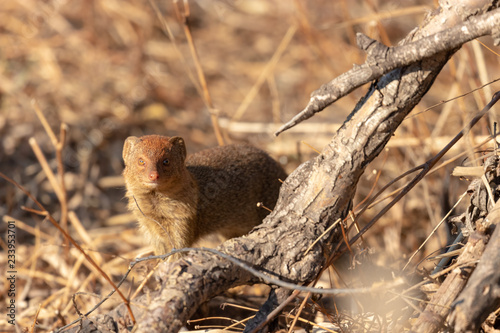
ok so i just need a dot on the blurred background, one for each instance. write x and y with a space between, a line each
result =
111 69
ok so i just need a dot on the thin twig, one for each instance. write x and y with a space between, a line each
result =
372 202
276 281
452 99
429 165
434 230
301 307
75 244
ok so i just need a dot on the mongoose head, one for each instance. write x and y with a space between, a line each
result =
154 162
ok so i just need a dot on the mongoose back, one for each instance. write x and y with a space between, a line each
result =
177 200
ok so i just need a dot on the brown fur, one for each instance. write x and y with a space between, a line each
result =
216 190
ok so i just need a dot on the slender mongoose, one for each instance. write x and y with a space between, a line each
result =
177 200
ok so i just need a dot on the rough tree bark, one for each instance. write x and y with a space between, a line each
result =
465 309
481 295
319 191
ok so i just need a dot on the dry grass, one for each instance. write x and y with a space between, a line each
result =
107 70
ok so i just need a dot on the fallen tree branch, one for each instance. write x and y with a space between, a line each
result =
382 59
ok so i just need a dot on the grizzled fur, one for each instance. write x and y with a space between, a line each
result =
177 200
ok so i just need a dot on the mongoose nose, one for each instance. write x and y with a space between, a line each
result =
154 175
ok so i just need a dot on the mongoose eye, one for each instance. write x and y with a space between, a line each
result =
166 161
141 161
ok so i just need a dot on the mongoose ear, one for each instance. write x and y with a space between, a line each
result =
128 146
177 141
